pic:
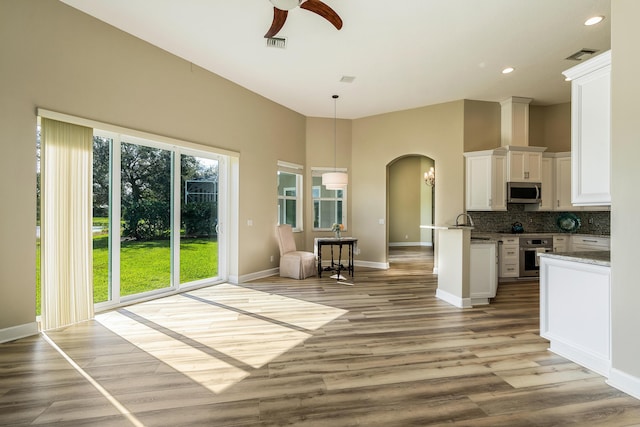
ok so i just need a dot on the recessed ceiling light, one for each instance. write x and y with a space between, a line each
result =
508 70
594 20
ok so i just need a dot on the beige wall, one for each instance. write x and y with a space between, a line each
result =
481 125
57 58
320 154
625 177
550 126
434 131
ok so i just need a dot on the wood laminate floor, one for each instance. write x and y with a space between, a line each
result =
382 351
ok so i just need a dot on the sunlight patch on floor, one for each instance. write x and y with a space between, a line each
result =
227 320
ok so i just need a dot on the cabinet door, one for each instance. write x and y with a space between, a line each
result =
525 166
591 133
517 166
483 270
486 184
533 165
499 183
478 191
563 185
548 184
560 244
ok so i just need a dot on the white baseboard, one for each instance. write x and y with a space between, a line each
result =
453 299
371 264
20 331
257 275
580 356
401 244
624 382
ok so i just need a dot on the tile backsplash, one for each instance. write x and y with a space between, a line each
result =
592 222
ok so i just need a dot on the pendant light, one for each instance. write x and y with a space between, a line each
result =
335 180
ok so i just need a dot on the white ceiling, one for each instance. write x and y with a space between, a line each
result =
403 54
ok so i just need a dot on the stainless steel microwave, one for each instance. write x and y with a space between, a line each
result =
524 192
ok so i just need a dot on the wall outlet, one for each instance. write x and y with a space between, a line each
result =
590 220
406 236
271 259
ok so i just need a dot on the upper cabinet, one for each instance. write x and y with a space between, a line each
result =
486 183
524 164
591 131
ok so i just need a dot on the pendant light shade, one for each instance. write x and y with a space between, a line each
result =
335 180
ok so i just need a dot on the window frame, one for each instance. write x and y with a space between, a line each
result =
317 173
296 170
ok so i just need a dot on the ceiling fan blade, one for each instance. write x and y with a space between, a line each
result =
279 18
316 6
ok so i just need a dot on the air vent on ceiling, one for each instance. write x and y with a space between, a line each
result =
579 55
279 42
347 79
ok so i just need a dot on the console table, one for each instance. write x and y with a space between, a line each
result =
349 242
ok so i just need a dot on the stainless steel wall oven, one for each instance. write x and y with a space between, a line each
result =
530 247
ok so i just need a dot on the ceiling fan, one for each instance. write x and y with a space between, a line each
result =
282 7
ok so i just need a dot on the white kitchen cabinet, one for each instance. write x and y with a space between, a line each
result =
582 243
509 259
524 164
547 179
591 130
561 243
486 184
483 272
556 185
575 310
563 185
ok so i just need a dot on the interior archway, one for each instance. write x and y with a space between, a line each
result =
410 204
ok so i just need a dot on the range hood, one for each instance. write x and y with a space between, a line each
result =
514 122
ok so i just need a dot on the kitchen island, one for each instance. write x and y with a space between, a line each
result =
467 268
575 307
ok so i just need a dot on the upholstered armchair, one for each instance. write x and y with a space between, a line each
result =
293 263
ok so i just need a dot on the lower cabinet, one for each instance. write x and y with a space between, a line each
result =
510 257
575 311
561 243
589 243
483 270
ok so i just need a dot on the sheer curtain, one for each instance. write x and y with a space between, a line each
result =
66 212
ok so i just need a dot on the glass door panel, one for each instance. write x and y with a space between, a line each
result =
145 229
101 211
199 219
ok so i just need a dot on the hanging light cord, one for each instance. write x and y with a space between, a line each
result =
335 137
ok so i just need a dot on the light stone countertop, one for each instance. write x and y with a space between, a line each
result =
602 258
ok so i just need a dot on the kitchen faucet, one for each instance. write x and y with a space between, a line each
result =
470 220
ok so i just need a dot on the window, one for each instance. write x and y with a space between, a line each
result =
290 195
329 206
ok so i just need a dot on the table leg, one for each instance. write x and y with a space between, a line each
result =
319 260
351 260
339 259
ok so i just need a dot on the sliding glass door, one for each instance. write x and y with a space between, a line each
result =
199 201
156 218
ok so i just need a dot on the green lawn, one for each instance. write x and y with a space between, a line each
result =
145 266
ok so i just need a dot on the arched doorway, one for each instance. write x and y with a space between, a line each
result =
410 204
